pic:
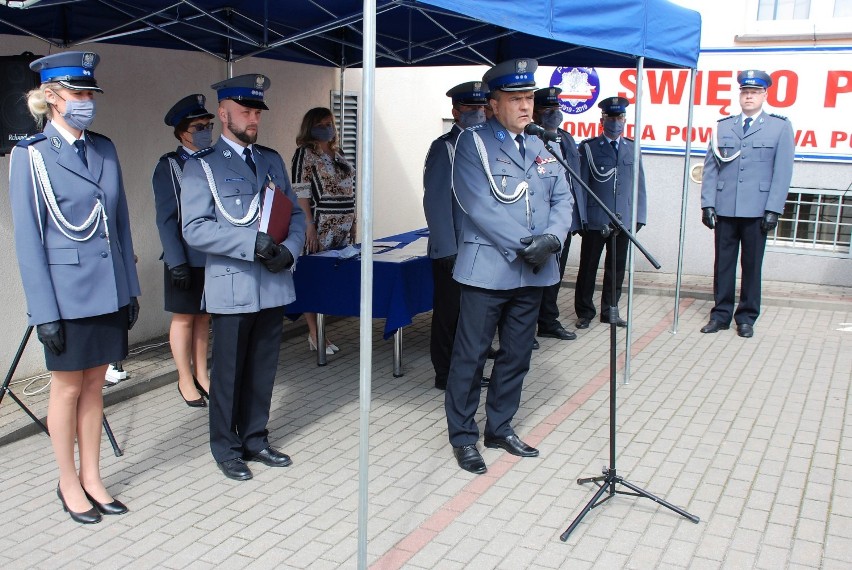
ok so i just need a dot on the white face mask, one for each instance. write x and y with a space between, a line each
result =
471 118
79 114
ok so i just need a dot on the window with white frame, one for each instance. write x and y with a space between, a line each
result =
798 18
783 9
816 219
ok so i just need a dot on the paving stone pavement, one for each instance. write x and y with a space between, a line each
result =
754 436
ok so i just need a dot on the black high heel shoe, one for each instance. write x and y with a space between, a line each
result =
91 516
116 507
201 390
198 403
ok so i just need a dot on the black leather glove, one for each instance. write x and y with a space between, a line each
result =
769 222
282 260
539 248
181 276
132 312
264 247
51 336
708 217
447 263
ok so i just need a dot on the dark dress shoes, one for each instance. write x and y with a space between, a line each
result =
745 330
91 516
469 459
535 345
441 385
512 444
714 326
583 323
201 390
199 403
619 322
235 469
116 507
557 332
271 457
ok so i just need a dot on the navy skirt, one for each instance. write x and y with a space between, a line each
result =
184 302
91 342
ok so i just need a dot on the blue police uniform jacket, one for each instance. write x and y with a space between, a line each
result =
234 281
571 154
610 177
166 185
66 278
443 217
747 175
491 230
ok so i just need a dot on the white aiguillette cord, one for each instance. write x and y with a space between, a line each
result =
253 210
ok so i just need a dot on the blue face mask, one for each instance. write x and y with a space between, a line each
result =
613 127
471 118
202 139
551 119
79 114
324 134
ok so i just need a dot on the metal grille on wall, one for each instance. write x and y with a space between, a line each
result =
348 127
816 219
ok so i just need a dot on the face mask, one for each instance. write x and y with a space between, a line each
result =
202 139
324 134
613 128
471 118
551 119
79 114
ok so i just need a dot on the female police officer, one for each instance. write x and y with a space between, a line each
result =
72 238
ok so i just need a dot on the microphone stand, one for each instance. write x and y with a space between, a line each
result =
607 482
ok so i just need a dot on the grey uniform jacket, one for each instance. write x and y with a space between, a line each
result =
491 230
234 280
568 147
64 278
442 213
166 185
615 189
745 176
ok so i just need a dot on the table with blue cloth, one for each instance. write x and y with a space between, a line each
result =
332 286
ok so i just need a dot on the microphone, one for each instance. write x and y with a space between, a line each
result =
537 130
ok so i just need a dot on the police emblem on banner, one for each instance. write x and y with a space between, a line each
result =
580 86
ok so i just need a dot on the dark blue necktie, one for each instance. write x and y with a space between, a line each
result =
249 160
746 125
614 146
81 151
521 149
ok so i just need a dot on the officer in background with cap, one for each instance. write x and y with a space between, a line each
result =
443 218
516 210
747 173
548 114
183 266
607 167
247 277
72 239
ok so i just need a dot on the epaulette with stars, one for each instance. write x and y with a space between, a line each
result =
31 139
93 134
776 115
725 118
476 127
264 149
202 152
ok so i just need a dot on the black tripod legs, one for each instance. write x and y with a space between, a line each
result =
607 484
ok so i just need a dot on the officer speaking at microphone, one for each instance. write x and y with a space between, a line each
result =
516 211
747 173
247 280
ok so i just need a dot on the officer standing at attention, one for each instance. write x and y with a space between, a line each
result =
548 114
516 211
72 239
444 220
606 166
246 279
747 173
183 266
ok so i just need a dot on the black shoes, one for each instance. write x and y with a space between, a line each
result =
235 469
745 330
557 332
619 322
535 345
271 458
116 507
714 326
199 403
583 323
91 516
201 390
512 444
469 459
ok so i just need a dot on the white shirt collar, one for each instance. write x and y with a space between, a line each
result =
237 146
69 138
754 118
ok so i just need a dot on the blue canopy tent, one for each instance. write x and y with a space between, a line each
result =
384 33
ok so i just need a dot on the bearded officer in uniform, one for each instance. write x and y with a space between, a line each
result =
247 277
443 217
516 212
607 167
747 173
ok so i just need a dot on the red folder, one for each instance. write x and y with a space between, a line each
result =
275 213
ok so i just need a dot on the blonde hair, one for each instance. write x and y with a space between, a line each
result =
37 103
